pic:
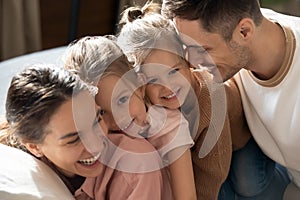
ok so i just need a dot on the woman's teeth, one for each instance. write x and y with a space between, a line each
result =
90 161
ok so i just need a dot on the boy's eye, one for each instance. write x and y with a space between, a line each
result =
123 100
152 81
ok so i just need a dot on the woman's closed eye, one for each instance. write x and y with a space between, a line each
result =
75 140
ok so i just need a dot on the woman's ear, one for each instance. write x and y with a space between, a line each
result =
34 149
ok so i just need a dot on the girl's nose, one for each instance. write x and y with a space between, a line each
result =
164 82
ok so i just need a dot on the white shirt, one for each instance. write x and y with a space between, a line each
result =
272 107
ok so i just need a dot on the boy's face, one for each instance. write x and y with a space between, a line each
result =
123 107
168 79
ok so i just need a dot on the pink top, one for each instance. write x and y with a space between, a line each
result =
169 131
114 183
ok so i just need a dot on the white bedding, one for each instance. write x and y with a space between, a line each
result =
23 177
9 67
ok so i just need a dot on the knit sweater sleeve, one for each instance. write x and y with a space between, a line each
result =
210 171
240 133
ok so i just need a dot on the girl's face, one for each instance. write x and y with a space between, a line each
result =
77 124
168 79
122 105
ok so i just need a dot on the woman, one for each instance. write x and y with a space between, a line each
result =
52 115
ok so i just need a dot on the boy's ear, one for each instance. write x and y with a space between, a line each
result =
34 149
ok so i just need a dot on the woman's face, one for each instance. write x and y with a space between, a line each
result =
168 79
76 124
123 107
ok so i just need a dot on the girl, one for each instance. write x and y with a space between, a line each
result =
52 115
100 61
151 42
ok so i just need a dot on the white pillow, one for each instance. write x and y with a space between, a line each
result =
23 177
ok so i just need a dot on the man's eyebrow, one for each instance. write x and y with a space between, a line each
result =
69 135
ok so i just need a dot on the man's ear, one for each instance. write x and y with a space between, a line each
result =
244 30
34 149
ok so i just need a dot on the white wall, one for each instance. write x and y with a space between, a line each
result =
10 67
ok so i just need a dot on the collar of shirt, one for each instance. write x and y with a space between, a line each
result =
86 188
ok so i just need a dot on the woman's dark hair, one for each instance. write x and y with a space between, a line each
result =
33 97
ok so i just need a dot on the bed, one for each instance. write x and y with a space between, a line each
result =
21 175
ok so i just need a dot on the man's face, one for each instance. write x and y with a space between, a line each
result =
222 58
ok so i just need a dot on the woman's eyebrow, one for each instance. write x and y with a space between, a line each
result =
69 135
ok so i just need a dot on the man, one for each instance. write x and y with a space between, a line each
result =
261 49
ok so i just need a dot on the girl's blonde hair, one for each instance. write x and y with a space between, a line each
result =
93 57
144 29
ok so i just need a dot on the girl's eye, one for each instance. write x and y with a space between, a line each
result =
101 112
123 100
98 120
151 81
77 139
173 71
